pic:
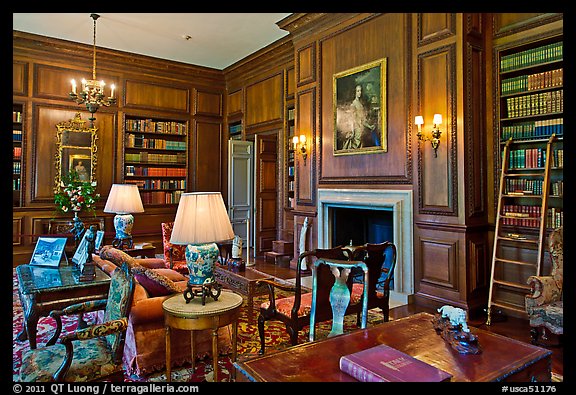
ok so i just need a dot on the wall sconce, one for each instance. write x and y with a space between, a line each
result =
435 138
302 141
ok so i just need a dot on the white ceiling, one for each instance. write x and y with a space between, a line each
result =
218 40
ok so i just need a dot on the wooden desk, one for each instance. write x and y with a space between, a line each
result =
194 317
502 358
43 289
244 282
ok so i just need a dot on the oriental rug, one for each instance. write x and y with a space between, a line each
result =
248 341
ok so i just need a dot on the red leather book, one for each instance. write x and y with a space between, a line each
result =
384 363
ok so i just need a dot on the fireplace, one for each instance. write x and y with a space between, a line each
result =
369 215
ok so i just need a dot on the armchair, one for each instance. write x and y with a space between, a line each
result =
88 354
544 304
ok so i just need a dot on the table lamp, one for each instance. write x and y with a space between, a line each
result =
201 221
124 199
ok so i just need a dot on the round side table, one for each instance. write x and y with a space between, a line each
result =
194 316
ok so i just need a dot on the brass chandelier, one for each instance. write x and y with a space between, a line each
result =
92 92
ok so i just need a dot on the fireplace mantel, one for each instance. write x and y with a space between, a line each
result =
397 201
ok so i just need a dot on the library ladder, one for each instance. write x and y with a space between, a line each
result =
515 239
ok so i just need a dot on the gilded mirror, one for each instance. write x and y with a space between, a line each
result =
75 150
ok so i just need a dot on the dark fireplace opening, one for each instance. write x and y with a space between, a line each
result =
361 226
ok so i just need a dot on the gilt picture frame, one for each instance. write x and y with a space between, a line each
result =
360 109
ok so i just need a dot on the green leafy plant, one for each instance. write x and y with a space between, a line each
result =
75 195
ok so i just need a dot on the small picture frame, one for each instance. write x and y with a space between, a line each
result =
49 251
81 254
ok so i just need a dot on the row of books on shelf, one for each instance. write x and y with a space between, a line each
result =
139 141
16 135
535 104
155 171
291 185
524 83
16 182
157 184
16 167
235 129
160 197
290 171
16 116
525 186
147 157
291 112
533 56
529 216
533 129
533 158
17 153
149 125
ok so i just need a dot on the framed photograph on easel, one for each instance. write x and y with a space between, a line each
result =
81 255
49 251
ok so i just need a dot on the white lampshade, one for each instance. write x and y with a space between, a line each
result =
437 119
201 218
124 199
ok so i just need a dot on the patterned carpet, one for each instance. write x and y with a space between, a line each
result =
248 341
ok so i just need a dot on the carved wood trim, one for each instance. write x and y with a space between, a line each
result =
452 208
311 160
541 20
449 31
474 180
23 83
312 77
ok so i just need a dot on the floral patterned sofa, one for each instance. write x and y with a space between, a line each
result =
145 344
544 304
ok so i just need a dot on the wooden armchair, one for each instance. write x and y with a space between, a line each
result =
294 310
92 353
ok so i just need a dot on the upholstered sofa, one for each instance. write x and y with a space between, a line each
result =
545 304
145 344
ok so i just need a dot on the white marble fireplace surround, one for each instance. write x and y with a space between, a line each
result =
397 201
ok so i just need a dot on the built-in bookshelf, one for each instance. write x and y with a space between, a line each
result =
530 125
531 110
17 130
155 152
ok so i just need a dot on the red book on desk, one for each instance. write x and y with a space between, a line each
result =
384 363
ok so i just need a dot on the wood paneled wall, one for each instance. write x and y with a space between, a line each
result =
146 87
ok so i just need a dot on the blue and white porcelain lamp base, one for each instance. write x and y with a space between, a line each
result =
201 259
123 224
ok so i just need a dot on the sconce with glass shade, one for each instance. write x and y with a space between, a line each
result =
302 141
434 137
201 221
92 92
124 199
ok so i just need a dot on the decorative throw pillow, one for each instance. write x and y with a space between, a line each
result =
117 256
153 282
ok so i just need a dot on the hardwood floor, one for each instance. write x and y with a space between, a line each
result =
512 327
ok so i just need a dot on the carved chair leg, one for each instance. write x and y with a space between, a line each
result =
261 334
293 335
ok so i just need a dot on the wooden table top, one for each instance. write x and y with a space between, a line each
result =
319 361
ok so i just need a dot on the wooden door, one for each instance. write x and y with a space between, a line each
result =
265 180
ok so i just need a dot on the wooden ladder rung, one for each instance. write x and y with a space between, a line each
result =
515 262
529 241
513 284
506 306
